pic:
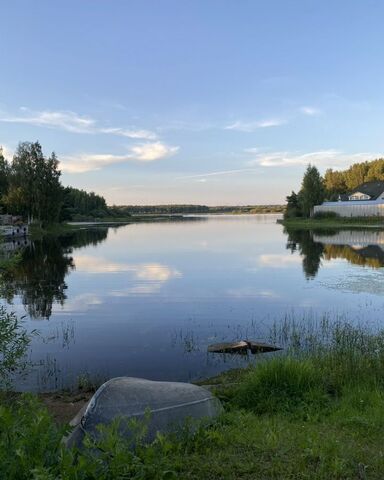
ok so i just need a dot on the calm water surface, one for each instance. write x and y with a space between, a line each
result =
146 299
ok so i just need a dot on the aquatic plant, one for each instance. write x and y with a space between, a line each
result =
14 341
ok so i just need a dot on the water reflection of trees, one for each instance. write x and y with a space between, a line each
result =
369 256
39 278
314 251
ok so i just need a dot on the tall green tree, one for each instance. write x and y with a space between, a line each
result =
34 187
312 190
293 206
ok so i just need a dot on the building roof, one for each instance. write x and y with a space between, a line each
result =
373 189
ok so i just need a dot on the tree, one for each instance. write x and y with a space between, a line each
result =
34 187
312 190
356 174
334 183
293 207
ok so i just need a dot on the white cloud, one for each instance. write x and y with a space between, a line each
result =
143 134
322 158
310 111
148 152
65 120
252 126
86 162
72 122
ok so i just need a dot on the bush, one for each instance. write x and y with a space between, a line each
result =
325 215
281 385
14 342
31 448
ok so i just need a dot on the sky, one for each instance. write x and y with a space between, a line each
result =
217 102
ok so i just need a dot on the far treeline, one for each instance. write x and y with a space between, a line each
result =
180 209
315 189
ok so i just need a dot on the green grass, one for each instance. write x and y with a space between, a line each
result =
314 411
340 222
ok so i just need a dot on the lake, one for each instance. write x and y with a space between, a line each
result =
147 299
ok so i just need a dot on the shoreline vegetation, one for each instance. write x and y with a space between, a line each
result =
301 223
314 410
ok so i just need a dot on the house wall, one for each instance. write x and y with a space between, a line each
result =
352 209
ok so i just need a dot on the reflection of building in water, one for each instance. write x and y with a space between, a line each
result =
364 248
11 246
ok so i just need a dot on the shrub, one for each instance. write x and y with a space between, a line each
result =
325 215
14 342
281 385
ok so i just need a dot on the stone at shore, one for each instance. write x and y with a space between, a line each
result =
242 347
169 405
259 347
229 347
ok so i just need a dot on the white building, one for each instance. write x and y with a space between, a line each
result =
367 200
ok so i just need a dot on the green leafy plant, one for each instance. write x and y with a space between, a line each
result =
14 341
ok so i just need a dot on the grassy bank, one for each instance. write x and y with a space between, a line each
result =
339 222
314 412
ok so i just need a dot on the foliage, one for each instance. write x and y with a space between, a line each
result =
34 184
281 385
293 206
30 186
121 211
14 342
31 448
80 202
322 215
341 181
312 190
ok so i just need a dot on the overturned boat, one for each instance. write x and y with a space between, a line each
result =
162 406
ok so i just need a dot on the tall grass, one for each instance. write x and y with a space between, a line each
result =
315 410
323 359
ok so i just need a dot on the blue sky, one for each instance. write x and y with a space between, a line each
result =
193 101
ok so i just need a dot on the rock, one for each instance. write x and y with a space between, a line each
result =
169 404
258 347
233 347
242 347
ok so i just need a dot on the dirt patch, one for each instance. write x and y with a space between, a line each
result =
64 406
